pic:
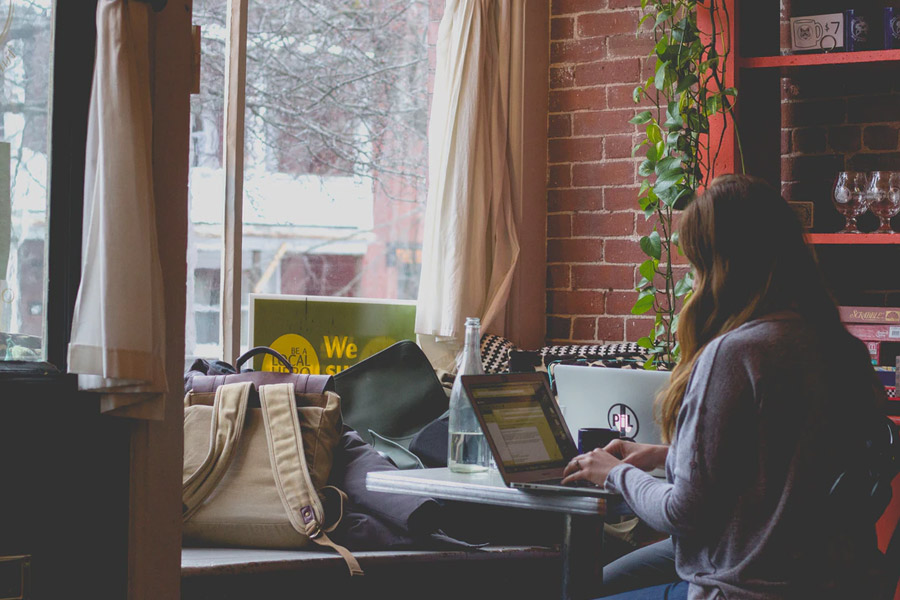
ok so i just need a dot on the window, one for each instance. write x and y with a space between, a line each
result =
25 68
334 153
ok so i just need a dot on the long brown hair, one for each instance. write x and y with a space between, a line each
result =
750 259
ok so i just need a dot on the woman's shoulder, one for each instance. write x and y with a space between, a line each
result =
770 330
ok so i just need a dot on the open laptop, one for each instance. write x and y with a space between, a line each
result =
525 430
608 397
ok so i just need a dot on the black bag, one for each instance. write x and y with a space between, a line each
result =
389 397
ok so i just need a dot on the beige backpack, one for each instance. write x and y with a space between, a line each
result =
255 477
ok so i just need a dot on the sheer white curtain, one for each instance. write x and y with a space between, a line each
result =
118 332
470 244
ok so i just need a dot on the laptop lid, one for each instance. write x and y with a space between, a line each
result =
522 424
608 397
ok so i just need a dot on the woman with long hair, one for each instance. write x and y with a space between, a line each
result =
764 404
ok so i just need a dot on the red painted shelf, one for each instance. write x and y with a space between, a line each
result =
853 238
833 58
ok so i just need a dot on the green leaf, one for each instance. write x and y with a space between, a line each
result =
648 268
652 245
664 15
685 84
682 287
675 323
646 169
668 180
730 91
638 147
660 77
654 133
637 93
650 291
668 165
642 117
645 342
642 306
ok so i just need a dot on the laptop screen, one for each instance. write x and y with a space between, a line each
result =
521 421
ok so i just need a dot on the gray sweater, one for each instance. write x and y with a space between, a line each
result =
747 468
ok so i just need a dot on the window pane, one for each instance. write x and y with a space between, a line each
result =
25 67
207 187
335 162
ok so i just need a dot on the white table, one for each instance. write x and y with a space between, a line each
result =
582 576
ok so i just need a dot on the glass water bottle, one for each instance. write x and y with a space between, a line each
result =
468 451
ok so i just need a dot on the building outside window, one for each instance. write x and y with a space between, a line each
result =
334 155
25 69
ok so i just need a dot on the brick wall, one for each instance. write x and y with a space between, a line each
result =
593 224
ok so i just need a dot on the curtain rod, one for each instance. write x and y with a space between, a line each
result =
156 5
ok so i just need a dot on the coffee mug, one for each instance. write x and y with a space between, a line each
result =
891 28
857 31
595 437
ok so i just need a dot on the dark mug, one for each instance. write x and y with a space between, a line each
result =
595 437
858 31
891 28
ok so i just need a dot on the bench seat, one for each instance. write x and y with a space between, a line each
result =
491 572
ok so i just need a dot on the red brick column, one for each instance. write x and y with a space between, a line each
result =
593 224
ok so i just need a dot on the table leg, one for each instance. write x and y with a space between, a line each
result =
582 549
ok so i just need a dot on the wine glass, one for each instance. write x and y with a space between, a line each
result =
883 198
850 198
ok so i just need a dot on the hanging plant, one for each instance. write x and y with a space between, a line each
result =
686 90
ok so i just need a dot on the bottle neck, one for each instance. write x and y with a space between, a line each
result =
470 363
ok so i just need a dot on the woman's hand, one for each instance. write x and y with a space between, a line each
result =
593 466
643 456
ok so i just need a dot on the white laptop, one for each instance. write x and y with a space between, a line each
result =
609 397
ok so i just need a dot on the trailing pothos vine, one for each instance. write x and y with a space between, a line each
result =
686 90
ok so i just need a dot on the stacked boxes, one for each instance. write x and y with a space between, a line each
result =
879 328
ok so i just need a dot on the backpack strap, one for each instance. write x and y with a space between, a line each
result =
229 412
301 500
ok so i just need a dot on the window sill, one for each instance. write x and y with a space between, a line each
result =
15 371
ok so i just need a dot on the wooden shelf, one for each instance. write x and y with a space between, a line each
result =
854 239
832 58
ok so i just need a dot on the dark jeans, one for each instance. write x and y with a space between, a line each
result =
669 591
652 565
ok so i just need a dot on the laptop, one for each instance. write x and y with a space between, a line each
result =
525 430
608 397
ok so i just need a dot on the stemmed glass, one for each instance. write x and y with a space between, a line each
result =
850 198
883 198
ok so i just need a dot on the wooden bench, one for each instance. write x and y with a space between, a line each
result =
524 573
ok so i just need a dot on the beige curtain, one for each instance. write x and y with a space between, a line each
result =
118 331
470 245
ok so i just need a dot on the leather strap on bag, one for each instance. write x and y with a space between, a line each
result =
229 411
300 499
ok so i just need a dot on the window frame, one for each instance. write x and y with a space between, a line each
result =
526 313
74 36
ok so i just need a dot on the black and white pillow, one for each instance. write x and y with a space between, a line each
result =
495 353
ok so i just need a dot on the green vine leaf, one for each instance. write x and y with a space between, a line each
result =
648 268
642 117
660 76
642 306
652 245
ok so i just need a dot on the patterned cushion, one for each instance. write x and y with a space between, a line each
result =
497 354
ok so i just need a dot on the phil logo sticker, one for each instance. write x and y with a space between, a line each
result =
623 419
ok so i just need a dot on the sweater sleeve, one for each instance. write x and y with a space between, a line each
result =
710 450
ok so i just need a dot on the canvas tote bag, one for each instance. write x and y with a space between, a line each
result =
253 476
